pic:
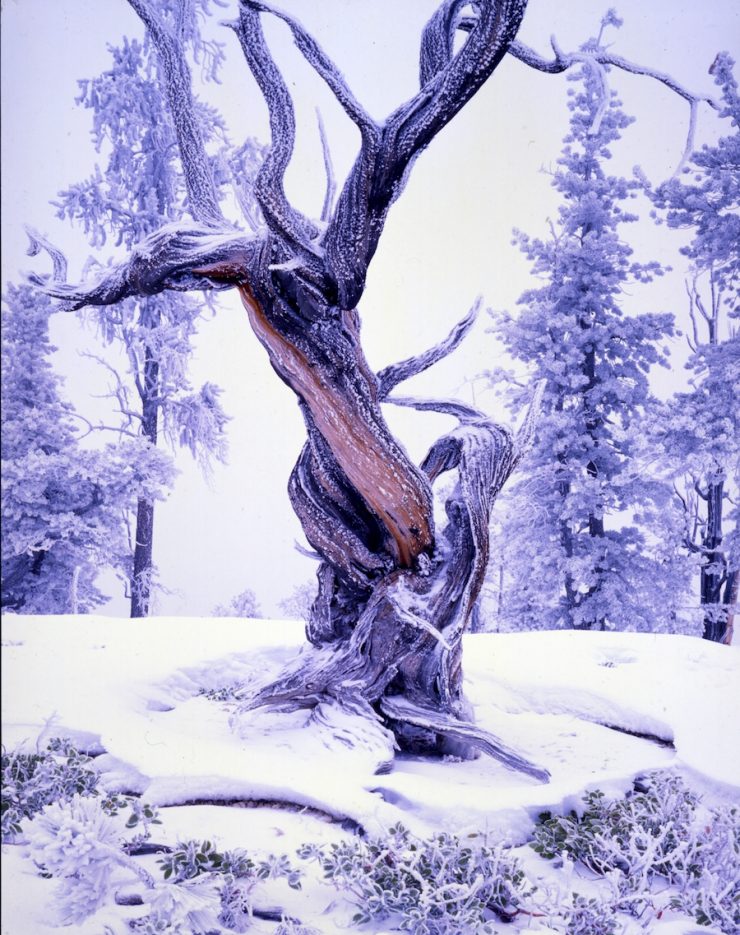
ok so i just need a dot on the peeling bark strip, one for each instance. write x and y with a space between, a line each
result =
394 597
358 438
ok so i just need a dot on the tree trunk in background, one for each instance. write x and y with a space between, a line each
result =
713 571
141 577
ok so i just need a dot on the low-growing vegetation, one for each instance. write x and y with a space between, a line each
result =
659 832
657 849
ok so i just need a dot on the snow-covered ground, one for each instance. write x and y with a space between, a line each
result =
596 709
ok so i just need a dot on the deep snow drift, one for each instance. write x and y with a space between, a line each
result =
596 709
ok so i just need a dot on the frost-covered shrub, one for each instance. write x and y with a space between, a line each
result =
290 926
646 830
589 917
77 843
191 906
657 832
712 895
438 886
190 859
233 872
31 781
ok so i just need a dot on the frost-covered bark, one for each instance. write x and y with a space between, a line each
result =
395 594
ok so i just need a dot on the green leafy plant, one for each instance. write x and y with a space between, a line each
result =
437 886
31 781
659 831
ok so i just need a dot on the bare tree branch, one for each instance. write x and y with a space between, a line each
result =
326 69
199 182
331 182
178 256
394 374
37 243
598 57
269 190
401 709
449 407
378 175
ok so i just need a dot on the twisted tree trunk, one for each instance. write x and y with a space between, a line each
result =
395 595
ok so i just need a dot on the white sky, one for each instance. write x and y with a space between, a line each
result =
446 241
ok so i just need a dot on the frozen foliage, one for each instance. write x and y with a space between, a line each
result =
243 605
31 781
140 188
77 843
62 504
438 886
297 606
699 430
658 831
569 557
55 775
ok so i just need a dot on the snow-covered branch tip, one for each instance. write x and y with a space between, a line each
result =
600 59
182 256
331 182
525 436
37 243
391 376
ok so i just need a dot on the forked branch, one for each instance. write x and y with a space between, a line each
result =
280 215
600 58
178 256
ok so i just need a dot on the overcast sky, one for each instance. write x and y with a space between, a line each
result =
448 239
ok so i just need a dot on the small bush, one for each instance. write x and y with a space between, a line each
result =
657 832
589 917
31 781
438 886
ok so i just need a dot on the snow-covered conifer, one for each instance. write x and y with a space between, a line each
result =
569 555
700 429
62 505
140 186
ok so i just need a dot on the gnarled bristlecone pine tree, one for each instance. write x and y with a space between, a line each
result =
395 595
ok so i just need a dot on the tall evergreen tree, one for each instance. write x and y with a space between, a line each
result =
62 505
570 559
140 187
700 429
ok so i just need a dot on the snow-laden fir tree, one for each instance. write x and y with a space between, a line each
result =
140 187
62 505
700 429
570 558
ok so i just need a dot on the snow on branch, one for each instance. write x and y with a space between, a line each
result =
599 58
449 407
199 181
400 708
378 175
391 376
178 256
325 68
37 243
279 214
331 182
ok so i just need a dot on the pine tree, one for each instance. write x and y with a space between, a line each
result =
700 429
62 506
569 559
140 187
